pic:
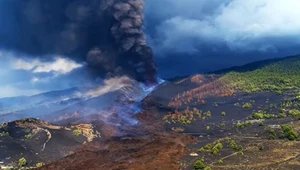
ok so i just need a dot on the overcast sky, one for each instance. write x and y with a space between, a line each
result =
214 34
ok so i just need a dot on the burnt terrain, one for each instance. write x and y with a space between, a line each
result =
211 121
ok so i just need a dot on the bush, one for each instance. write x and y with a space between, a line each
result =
40 164
77 132
247 105
288 132
258 115
29 136
223 114
234 146
208 147
207 128
219 146
220 161
295 113
201 150
208 114
199 165
207 168
215 151
22 162
261 148
282 115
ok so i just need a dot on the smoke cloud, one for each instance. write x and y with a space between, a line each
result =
107 34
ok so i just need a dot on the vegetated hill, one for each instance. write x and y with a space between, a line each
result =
277 76
252 66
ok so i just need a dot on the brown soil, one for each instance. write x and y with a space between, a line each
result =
150 148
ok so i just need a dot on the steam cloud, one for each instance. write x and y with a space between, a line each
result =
107 34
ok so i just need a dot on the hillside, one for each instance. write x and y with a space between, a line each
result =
231 121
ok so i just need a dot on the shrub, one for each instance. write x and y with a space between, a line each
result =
223 114
208 114
288 132
261 148
247 105
220 161
207 168
199 165
22 162
208 147
215 151
295 113
219 146
40 164
258 115
29 136
201 150
77 132
207 128
282 115
234 146
243 124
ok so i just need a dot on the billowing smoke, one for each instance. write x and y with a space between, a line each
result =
107 34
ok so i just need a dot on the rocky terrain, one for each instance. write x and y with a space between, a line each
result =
231 120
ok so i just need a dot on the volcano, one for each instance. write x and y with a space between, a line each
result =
203 121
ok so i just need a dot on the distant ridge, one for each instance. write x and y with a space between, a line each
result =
252 66
243 68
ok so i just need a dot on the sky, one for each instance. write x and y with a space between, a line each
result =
207 35
187 37
30 76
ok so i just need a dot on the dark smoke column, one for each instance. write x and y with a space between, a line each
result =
107 34
127 31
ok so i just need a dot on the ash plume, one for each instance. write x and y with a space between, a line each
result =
107 34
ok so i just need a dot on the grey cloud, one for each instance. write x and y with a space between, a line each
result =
203 30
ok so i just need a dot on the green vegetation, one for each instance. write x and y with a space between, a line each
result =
247 105
277 77
261 148
207 128
77 132
40 164
263 115
199 164
208 114
184 117
288 132
223 124
272 134
294 113
29 136
22 162
234 146
243 125
207 168
223 114
220 161
4 134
